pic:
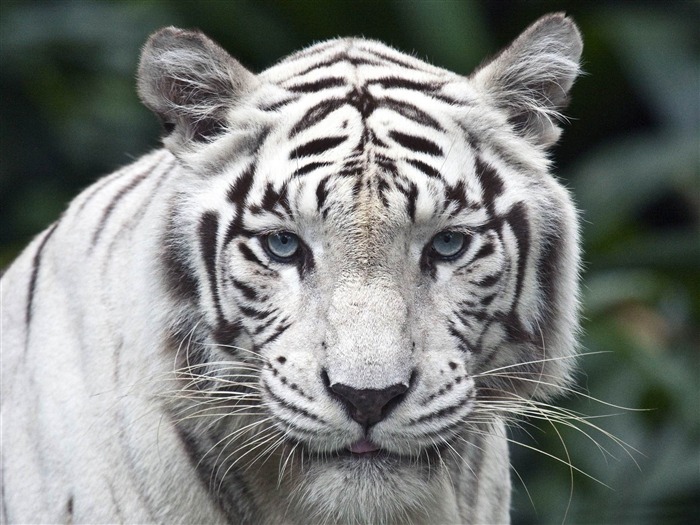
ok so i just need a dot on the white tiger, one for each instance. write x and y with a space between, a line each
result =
319 303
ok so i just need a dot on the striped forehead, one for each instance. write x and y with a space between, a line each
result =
359 56
365 112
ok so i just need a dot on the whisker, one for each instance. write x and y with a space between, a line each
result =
538 361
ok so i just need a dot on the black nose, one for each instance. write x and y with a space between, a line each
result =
369 406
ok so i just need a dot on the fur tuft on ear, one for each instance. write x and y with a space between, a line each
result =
532 77
190 83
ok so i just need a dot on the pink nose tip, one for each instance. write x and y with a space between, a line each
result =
363 446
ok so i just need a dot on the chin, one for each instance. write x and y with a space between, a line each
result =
374 488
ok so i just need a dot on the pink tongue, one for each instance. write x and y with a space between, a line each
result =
362 446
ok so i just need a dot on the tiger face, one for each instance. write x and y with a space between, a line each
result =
367 255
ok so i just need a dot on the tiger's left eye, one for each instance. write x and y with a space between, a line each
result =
283 246
448 244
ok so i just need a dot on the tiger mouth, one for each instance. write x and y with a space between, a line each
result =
366 451
363 447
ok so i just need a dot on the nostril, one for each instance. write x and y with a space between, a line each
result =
368 406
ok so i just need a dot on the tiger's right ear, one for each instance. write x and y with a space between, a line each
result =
190 83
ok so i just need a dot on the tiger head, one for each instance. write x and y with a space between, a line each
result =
370 248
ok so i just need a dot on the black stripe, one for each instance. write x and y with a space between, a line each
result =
363 61
515 329
36 265
338 57
427 264
519 223
382 188
248 292
316 146
316 114
321 194
238 195
262 327
388 165
489 280
438 414
411 112
98 186
178 275
485 250
464 345
417 144
457 194
468 303
254 313
487 300
273 199
278 331
290 406
318 85
335 59
491 183
411 198
248 255
226 333
105 181
308 168
352 167
123 192
425 168
238 191
398 61
306 263
274 106
405 83
452 428
208 229
480 315
236 229
464 315
450 101
375 140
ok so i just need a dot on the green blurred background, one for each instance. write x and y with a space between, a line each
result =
69 113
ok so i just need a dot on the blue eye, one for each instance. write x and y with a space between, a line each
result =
283 246
448 244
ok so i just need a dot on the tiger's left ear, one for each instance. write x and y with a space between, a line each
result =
532 77
190 83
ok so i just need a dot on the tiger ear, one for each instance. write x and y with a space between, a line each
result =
532 77
190 83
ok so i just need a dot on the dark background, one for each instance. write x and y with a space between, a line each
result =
69 113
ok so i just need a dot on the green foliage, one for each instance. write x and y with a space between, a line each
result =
69 113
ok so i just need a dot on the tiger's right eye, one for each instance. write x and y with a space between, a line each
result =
282 246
